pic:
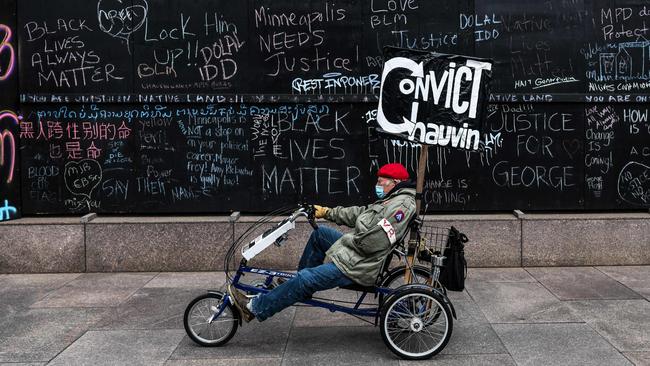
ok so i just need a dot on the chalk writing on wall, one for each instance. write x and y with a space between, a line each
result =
8 120
7 53
634 184
202 106
119 19
188 158
8 146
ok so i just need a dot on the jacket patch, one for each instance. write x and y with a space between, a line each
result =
399 216
388 228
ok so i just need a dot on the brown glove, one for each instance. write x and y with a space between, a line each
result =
320 211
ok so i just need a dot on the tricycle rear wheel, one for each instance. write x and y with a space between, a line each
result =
415 322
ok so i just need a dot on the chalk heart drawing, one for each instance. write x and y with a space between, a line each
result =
82 177
634 184
571 147
120 18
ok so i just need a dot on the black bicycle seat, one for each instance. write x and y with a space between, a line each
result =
357 287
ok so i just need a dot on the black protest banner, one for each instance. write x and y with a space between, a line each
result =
432 98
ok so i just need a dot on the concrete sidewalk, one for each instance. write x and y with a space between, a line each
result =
507 316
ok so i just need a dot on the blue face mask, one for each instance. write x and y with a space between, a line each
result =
379 191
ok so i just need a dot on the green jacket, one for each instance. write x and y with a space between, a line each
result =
360 255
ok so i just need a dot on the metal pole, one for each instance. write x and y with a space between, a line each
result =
413 238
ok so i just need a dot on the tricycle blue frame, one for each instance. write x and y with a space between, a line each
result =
271 274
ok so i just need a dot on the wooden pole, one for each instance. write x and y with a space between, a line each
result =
413 239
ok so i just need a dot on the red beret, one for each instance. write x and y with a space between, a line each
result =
393 170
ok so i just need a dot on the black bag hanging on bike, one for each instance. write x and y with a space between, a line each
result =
454 271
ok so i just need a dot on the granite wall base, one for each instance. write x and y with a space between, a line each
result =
153 244
33 245
586 240
156 244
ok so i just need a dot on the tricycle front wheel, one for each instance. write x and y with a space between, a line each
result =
206 329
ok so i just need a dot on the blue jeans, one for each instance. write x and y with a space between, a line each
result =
312 276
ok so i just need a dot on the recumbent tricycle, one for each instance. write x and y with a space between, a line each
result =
415 318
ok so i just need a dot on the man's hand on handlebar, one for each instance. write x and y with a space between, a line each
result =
320 211
311 212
